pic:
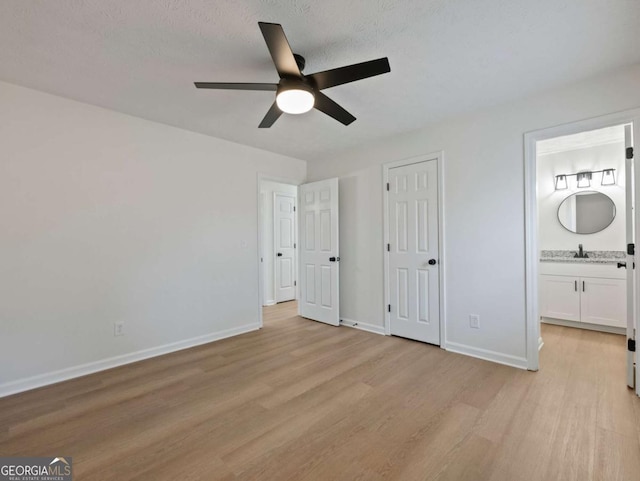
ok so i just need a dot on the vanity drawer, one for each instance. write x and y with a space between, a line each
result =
578 269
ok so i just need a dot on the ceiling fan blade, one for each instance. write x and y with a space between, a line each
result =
279 49
236 86
332 109
272 115
350 73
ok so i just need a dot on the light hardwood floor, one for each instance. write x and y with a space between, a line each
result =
300 400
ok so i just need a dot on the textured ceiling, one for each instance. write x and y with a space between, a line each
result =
447 56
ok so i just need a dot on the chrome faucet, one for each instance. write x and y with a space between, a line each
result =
581 254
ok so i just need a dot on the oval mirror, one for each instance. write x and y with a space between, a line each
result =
586 212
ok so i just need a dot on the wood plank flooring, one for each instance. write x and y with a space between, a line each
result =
299 400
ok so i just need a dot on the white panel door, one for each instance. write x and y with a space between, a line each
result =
413 252
284 229
318 250
559 297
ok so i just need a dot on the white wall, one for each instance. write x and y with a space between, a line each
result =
107 217
267 190
551 234
484 210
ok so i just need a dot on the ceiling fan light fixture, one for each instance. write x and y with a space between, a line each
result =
296 99
297 93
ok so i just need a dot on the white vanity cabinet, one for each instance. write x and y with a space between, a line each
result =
590 293
603 301
559 297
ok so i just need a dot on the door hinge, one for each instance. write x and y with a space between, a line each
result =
389 308
294 245
388 247
631 249
294 208
295 283
631 345
629 152
388 186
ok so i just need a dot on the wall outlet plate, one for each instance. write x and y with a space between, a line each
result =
474 321
118 329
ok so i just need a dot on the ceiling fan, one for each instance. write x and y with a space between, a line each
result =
297 93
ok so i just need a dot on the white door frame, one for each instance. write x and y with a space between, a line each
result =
438 157
532 320
629 169
259 179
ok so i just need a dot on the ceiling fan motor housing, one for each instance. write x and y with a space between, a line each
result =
300 61
293 84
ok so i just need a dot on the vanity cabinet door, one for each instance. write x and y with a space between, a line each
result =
603 301
559 297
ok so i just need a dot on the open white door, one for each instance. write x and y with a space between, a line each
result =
284 220
318 251
630 229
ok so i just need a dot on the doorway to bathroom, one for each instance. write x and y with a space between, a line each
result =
581 281
582 230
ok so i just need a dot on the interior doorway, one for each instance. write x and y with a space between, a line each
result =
278 241
580 219
298 247
582 212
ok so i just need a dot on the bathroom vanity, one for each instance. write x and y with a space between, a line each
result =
584 292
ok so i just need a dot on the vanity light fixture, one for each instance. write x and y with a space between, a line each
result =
584 178
608 177
561 182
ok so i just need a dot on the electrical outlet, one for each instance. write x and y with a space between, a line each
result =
118 329
474 321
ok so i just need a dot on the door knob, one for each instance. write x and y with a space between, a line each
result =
279 254
334 259
432 262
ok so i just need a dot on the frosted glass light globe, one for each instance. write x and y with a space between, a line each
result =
295 101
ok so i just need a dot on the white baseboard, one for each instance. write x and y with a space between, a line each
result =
363 326
269 303
21 385
487 355
585 325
